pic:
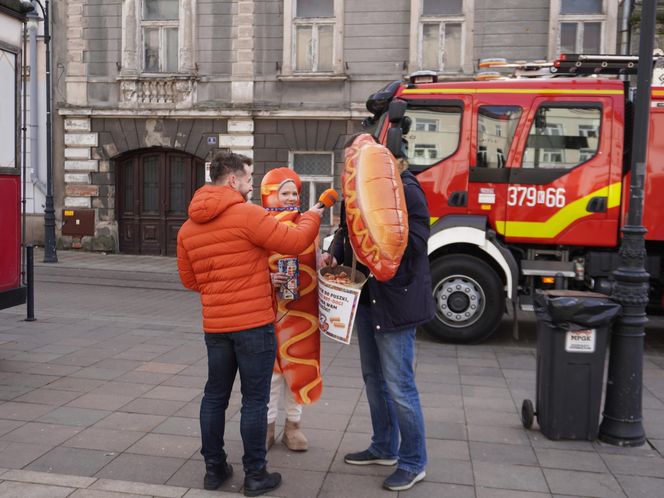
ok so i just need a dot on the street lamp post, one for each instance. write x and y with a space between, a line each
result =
622 423
50 254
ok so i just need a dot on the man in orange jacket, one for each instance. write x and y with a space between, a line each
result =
223 254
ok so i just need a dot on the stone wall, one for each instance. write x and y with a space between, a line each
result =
93 144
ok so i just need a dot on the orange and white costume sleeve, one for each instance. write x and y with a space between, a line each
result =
296 327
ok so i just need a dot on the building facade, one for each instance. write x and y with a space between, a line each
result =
148 90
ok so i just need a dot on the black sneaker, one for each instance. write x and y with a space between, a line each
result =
401 480
367 458
216 475
261 482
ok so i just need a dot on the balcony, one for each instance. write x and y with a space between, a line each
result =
178 92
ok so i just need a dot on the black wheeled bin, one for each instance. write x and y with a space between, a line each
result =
572 335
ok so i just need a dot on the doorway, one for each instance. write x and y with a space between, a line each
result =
154 188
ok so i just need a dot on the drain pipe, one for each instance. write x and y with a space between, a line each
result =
35 177
625 33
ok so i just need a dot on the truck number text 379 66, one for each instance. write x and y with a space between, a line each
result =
531 196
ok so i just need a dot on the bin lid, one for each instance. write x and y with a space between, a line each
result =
574 310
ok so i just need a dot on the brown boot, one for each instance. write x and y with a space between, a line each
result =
293 437
269 440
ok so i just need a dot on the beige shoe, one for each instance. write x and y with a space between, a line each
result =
269 440
293 437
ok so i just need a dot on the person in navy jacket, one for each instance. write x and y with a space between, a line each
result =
386 321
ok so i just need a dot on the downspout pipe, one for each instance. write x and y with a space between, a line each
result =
625 33
35 176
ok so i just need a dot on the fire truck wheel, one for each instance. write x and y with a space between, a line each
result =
469 299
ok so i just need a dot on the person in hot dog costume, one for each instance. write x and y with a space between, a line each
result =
297 364
387 316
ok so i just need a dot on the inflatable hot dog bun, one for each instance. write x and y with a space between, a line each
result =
376 213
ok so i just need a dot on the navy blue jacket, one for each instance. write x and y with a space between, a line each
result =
406 300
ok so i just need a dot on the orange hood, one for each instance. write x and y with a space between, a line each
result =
272 182
210 201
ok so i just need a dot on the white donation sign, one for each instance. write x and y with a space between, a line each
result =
337 303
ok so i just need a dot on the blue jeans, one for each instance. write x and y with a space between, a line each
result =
252 352
394 403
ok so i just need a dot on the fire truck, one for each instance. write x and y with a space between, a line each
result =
527 181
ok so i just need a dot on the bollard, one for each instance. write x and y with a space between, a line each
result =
30 270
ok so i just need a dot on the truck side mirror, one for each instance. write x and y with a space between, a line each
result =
397 110
394 141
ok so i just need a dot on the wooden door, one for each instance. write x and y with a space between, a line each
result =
154 189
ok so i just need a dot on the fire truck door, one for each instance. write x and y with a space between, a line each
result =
566 186
494 130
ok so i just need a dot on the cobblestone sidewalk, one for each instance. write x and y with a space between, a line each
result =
99 398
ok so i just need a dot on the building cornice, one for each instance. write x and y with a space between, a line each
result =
356 112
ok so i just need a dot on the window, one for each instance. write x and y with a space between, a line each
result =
583 26
438 34
562 137
316 169
581 7
9 116
580 37
434 135
426 124
493 148
425 151
312 37
588 130
158 36
160 26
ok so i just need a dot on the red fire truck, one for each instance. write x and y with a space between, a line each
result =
527 182
12 293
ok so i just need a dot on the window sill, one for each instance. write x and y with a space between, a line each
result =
157 76
312 77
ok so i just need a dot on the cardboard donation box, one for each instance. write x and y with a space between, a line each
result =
338 297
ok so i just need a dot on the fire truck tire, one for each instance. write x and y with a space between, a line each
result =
469 299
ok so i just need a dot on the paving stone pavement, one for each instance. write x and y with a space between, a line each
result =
99 398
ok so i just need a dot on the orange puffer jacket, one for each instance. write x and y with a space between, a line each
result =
223 254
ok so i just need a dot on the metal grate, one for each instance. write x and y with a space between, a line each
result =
312 164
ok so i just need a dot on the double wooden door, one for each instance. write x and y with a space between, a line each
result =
154 189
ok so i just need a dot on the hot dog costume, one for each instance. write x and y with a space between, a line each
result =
296 327
376 212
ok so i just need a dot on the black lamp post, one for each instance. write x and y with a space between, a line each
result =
50 254
623 423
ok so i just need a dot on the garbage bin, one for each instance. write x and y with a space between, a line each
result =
572 335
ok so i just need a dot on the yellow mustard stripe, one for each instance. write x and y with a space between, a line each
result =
550 228
540 91
433 220
658 93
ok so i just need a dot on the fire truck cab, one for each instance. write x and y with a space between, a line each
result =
527 181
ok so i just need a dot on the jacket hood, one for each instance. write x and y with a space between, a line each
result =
210 201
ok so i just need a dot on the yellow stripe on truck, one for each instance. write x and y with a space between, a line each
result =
539 91
572 212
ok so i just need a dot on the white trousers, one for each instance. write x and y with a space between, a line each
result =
293 409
